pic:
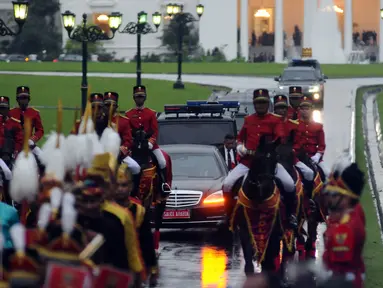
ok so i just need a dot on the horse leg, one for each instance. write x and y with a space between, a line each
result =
310 245
272 260
158 214
301 247
246 241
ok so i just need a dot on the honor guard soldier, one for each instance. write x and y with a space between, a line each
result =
261 123
142 219
311 133
295 97
289 128
345 235
125 131
142 116
23 98
97 101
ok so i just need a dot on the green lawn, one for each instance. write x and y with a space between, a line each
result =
47 91
373 250
255 69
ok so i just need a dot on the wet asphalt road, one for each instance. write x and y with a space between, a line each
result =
197 258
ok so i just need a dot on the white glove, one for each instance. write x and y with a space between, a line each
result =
30 142
316 158
241 150
150 145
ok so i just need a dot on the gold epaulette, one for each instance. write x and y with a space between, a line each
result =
294 121
17 120
129 110
140 214
276 115
122 116
345 219
151 109
35 109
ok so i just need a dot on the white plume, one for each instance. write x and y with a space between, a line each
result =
68 199
105 135
56 196
44 216
341 163
68 219
56 164
25 181
89 126
50 145
96 145
84 151
17 232
113 143
69 150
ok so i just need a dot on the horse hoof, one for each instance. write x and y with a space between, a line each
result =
249 270
153 281
157 253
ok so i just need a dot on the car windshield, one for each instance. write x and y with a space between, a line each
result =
297 75
206 133
195 166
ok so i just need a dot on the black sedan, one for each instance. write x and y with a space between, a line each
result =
196 199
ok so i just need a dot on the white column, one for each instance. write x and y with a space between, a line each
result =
347 27
307 22
381 35
245 29
278 35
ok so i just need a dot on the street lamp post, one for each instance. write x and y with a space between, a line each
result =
20 13
142 27
182 19
84 34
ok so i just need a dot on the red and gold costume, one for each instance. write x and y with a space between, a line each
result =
10 124
37 131
311 134
256 126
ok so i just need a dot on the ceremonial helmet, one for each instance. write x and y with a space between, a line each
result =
261 95
306 100
295 91
111 97
23 92
4 101
281 101
346 178
103 167
139 91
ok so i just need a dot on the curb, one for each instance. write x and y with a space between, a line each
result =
372 93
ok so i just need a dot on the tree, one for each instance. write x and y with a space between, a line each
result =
40 31
190 40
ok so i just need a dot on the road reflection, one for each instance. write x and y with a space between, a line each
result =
213 268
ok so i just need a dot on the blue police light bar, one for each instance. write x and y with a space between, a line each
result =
225 104
206 108
176 109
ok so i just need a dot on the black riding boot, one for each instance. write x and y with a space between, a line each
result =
136 185
290 203
308 187
164 188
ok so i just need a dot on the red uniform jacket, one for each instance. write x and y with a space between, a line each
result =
37 131
311 137
293 113
12 124
147 118
256 126
169 171
125 133
344 241
287 126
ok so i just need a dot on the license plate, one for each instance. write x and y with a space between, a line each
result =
176 214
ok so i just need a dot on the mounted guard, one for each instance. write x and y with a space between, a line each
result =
295 97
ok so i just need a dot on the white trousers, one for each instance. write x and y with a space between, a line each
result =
308 174
132 165
241 170
323 166
160 158
37 151
7 172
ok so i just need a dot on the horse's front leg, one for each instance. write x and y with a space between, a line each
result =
310 245
158 216
272 261
246 241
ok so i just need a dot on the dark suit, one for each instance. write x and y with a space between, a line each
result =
222 151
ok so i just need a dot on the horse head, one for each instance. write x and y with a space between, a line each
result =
285 152
259 183
305 158
140 151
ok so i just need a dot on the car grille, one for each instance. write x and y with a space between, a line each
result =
179 198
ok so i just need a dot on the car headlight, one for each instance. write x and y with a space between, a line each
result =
314 89
281 87
214 199
316 96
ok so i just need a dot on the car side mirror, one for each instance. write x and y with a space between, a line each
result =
276 79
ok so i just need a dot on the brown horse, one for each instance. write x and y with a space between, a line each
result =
256 213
